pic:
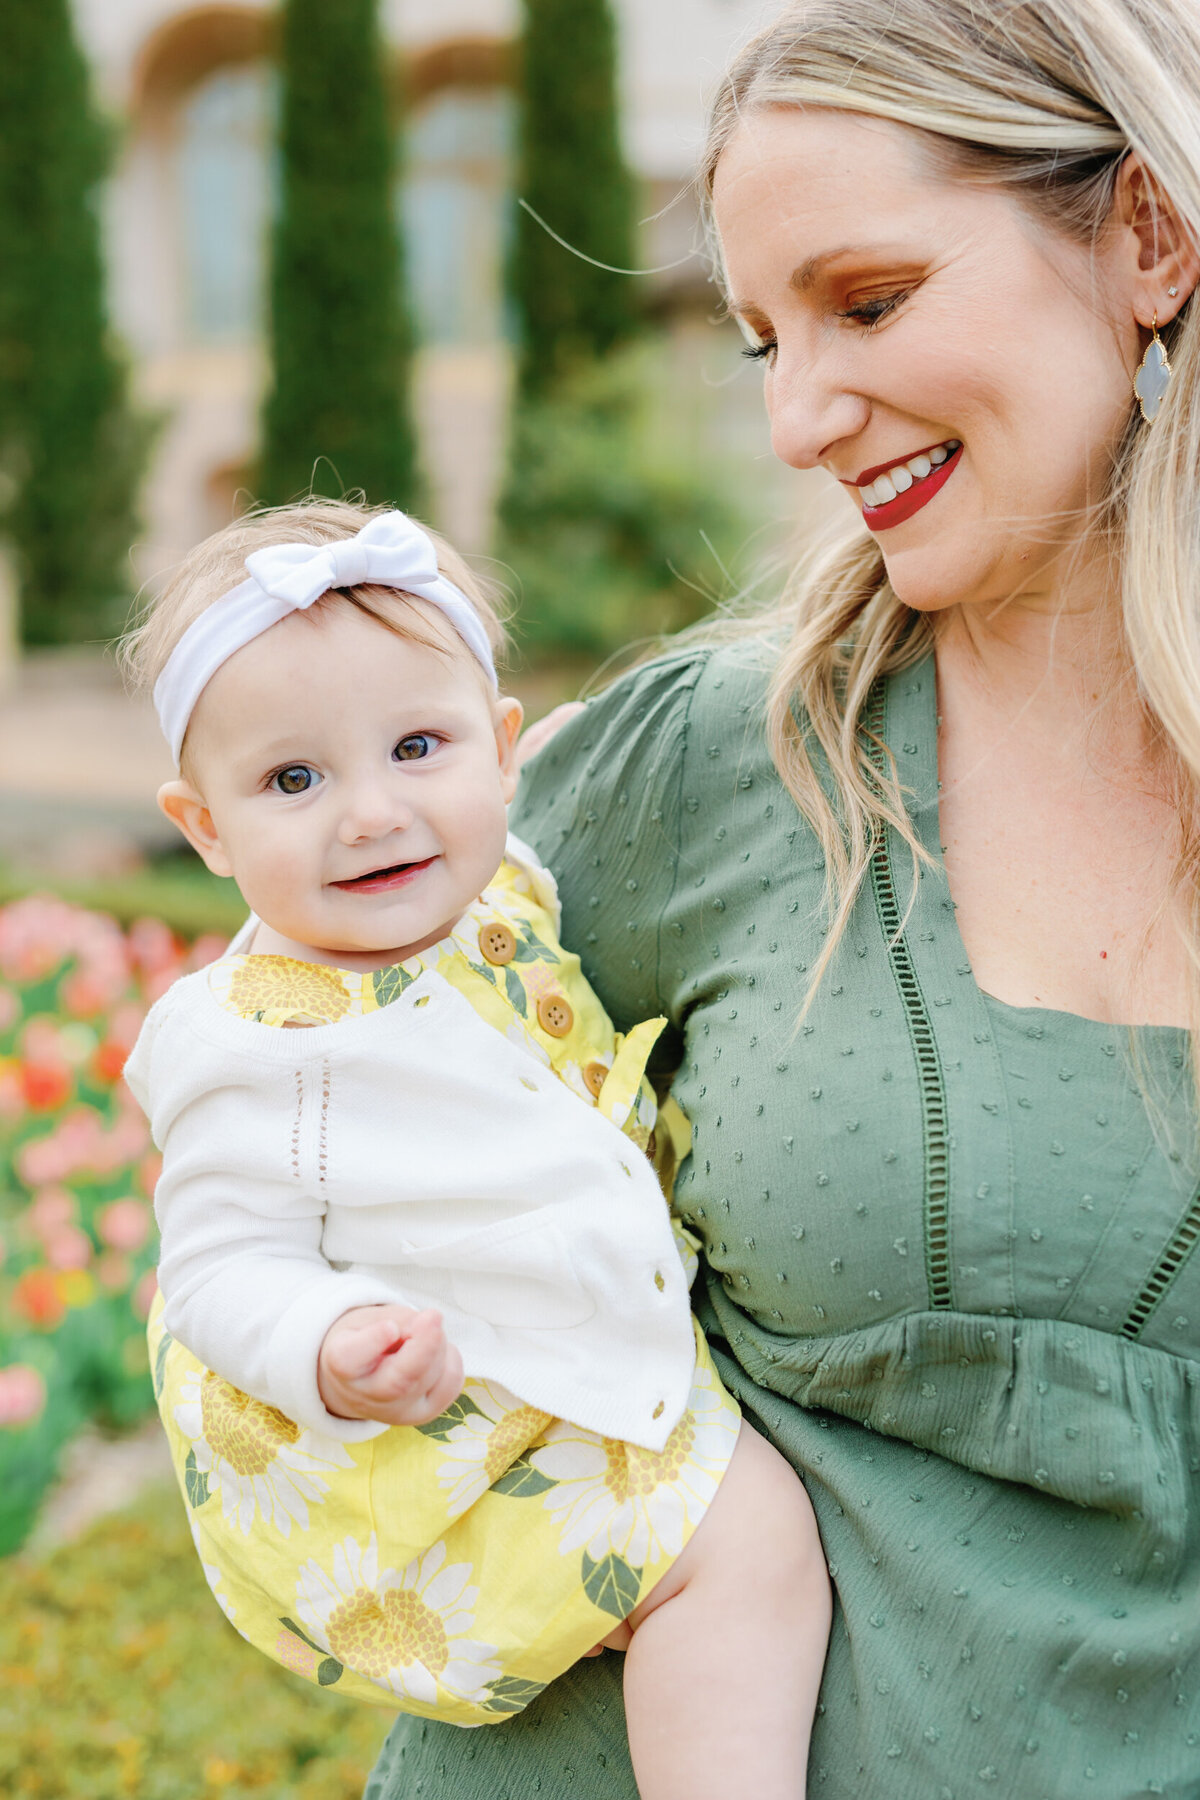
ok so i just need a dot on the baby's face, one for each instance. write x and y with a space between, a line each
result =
357 782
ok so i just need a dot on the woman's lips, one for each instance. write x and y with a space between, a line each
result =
381 880
895 512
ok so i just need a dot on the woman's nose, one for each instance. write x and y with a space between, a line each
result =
811 410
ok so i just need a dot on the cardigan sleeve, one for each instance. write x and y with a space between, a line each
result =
603 806
245 1283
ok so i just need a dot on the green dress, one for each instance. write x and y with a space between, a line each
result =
949 1273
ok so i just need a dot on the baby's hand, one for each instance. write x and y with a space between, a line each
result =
388 1363
536 736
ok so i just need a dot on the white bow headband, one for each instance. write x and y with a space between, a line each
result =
391 551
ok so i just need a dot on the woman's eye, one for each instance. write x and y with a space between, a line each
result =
869 313
411 749
296 779
758 352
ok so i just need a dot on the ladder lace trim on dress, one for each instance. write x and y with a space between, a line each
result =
1180 1246
924 1042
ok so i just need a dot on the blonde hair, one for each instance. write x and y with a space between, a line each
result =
1043 97
219 564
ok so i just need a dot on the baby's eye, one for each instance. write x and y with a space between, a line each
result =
297 778
411 749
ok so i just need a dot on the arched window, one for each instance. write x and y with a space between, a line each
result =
224 183
455 205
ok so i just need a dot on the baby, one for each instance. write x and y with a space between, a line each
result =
401 1140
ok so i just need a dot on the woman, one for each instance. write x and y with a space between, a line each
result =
943 811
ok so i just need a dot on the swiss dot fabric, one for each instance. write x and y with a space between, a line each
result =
932 1225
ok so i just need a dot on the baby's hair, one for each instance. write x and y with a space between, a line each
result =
219 564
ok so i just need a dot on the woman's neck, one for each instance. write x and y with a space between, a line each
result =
1057 667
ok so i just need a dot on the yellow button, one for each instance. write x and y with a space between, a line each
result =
497 942
659 1280
595 1074
659 1410
555 1015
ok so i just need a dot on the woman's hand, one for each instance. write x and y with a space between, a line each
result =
388 1363
540 733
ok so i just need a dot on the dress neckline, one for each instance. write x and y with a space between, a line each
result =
925 815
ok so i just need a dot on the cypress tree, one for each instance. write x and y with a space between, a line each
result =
571 172
70 450
339 326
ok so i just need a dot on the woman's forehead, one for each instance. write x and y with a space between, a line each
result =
832 186
823 137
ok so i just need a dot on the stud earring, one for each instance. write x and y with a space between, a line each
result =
1172 291
1153 377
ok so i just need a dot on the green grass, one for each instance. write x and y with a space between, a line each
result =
121 1680
177 889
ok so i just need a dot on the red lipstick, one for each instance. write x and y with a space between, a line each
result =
895 512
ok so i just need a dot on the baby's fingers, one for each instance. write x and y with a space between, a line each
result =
422 1388
357 1342
446 1387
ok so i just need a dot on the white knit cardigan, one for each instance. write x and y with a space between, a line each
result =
412 1154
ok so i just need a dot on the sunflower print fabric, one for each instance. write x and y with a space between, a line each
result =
456 1568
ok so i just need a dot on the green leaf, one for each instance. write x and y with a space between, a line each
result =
531 950
195 1481
484 969
330 1671
516 991
510 1694
160 1363
291 1625
388 984
455 1414
611 1584
521 1481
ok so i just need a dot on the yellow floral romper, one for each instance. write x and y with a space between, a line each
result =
455 1568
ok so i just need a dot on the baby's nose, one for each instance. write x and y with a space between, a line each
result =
372 812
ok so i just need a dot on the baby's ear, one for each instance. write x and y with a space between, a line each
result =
509 715
184 805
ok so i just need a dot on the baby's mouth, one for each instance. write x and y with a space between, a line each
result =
379 880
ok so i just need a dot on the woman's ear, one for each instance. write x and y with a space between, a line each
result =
185 807
508 716
1164 255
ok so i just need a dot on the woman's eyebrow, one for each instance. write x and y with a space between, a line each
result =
805 274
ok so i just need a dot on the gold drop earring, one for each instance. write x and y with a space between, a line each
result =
1154 375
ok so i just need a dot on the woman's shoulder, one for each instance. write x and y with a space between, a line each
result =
629 745
611 804
698 679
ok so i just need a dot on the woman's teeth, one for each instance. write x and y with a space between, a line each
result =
899 479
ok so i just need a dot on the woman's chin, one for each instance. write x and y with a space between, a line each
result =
923 590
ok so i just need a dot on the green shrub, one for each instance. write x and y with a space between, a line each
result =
616 525
71 452
340 334
571 172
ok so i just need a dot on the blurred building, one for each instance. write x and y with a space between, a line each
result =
190 203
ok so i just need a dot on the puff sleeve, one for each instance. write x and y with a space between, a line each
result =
602 804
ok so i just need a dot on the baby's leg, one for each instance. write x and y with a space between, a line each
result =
725 1659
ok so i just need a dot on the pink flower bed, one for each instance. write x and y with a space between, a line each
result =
77 1175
